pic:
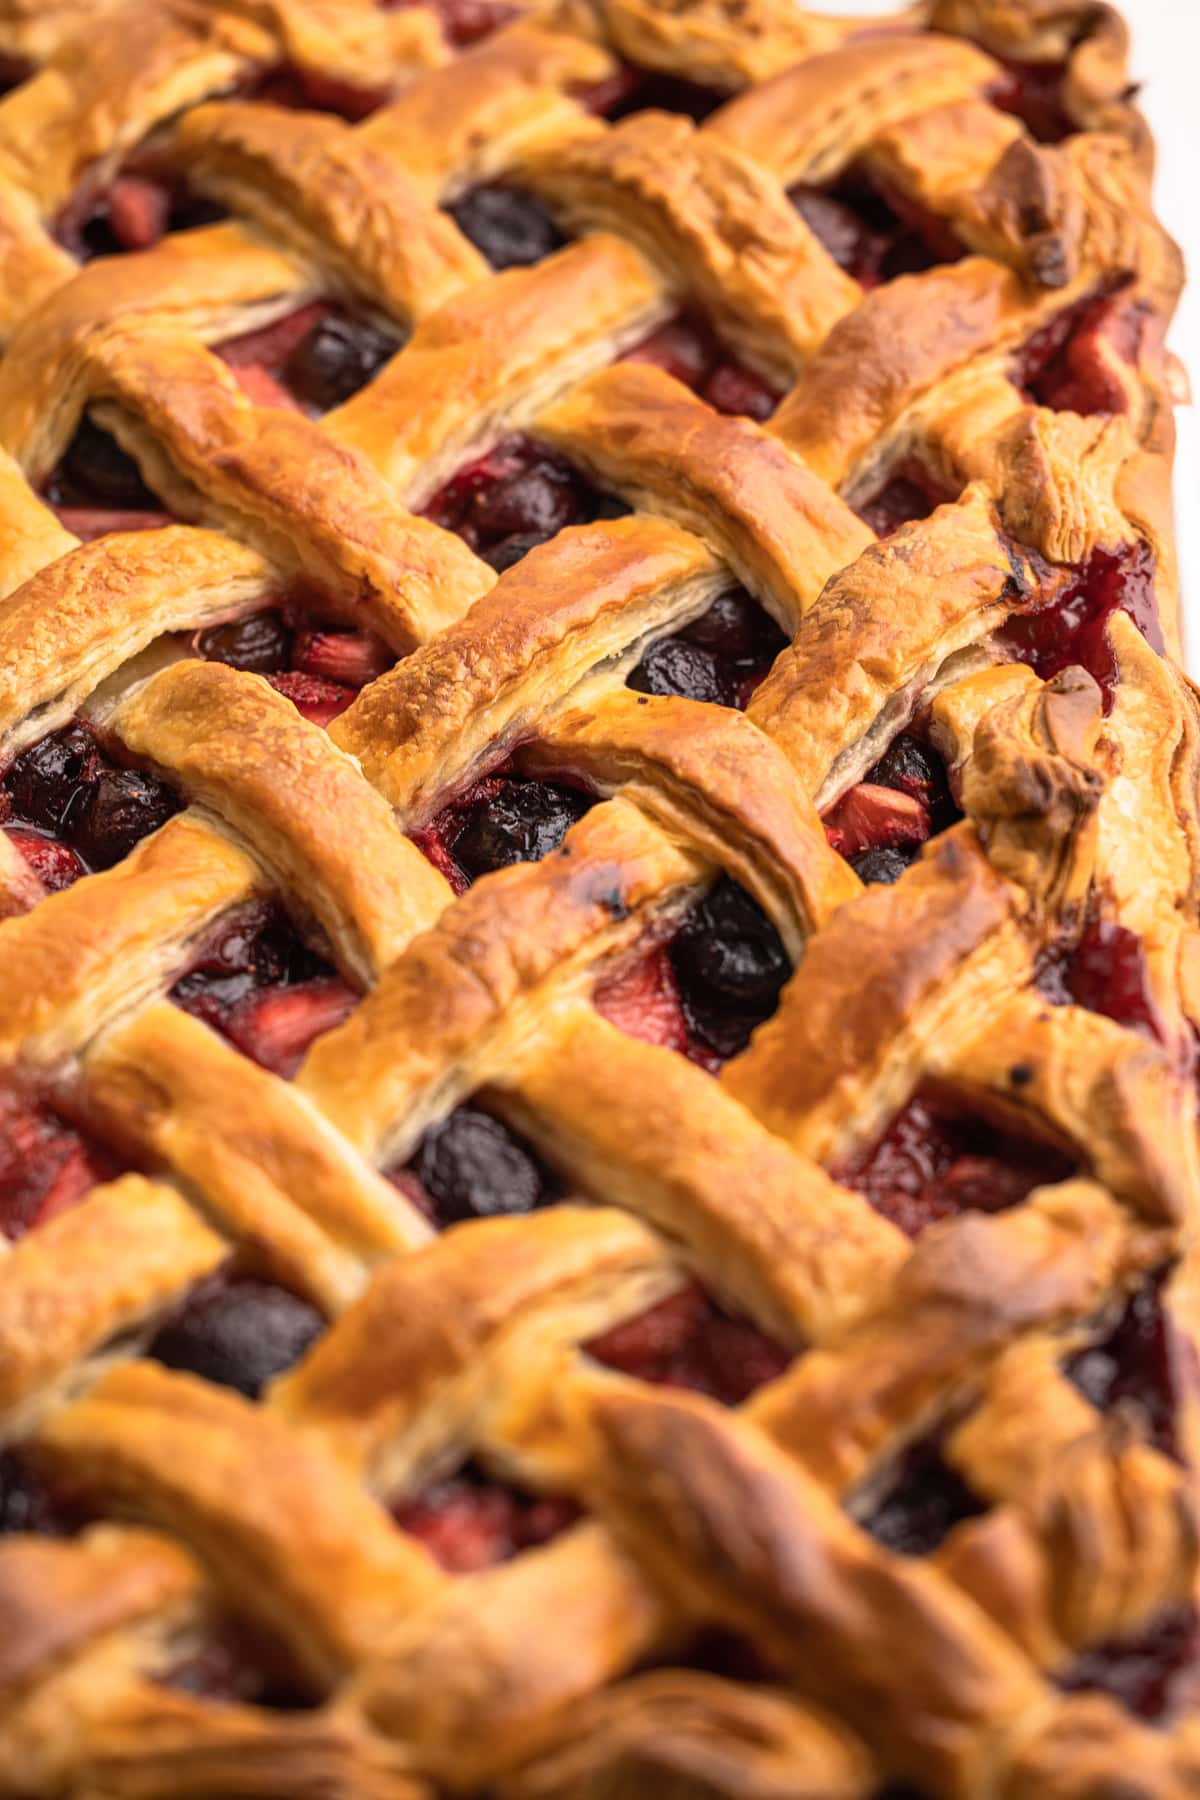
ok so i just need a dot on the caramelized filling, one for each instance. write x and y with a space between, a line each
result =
689 1341
939 1158
471 1521
1074 630
257 982
872 233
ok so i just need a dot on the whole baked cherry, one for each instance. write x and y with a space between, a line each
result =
506 225
121 807
472 1167
523 822
730 964
884 864
337 358
43 782
97 471
238 1332
261 643
675 666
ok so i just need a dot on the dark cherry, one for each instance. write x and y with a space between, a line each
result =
338 357
1035 94
1105 972
523 822
721 656
517 496
511 228
1074 629
886 864
855 244
906 496
44 782
730 964
472 1167
238 1332
26 1503
96 471
923 1500
689 1341
119 809
633 90
1155 1676
261 643
874 236
1069 363
471 1522
535 501
1138 1366
676 667
912 767
938 1158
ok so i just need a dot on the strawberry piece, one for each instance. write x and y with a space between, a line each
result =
138 211
88 522
260 386
45 1167
432 845
875 818
55 865
271 346
645 1346
275 1028
683 347
642 1000
732 389
688 1341
351 658
319 701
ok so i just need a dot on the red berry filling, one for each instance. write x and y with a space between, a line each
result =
1074 629
1083 360
720 657
258 983
630 90
939 1158
688 348
1034 92
465 22
135 212
1144 1368
237 1331
689 1341
923 1499
498 821
881 823
319 668
46 1165
71 809
873 234
312 360
641 999
909 494
471 1522
29 1504
1156 1674
517 496
507 225
1106 973
98 488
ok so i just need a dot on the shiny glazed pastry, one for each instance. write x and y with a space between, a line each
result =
599 877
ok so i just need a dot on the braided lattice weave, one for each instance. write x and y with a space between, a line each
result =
570 1669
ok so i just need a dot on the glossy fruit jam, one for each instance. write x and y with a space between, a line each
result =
47 1164
909 494
517 496
1082 360
705 991
688 348
721 657
471 1521
499 820
880 824
1107 973
873 233
266 989
1074 630
939 1158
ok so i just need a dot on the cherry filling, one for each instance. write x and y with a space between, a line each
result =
257 982
237 1331
464 22
1034 92
872 233
471 1521
689 1341
688 348
720 657
507 225
1143 1367
315 358
70 809
1156 1674
135 213
1106 972
922 1501
705 992
1082 360
98 488
46 1165
631 90
237 1664
471 1166
910 493
880 824
517 496
498 821
1074 630
317 666
939 1158
28 1503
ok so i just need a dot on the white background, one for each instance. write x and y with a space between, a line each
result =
1166 60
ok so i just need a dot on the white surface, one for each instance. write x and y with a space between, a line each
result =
1166 60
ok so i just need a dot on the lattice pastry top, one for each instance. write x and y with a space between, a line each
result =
600 871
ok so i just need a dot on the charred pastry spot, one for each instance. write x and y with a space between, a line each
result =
471 1521
688 1340
943 1155
472 1166
71 809
519 495
511 228
873 233
498 821
257 982
688 348
237 1331
720 657
1073 628
921 1503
